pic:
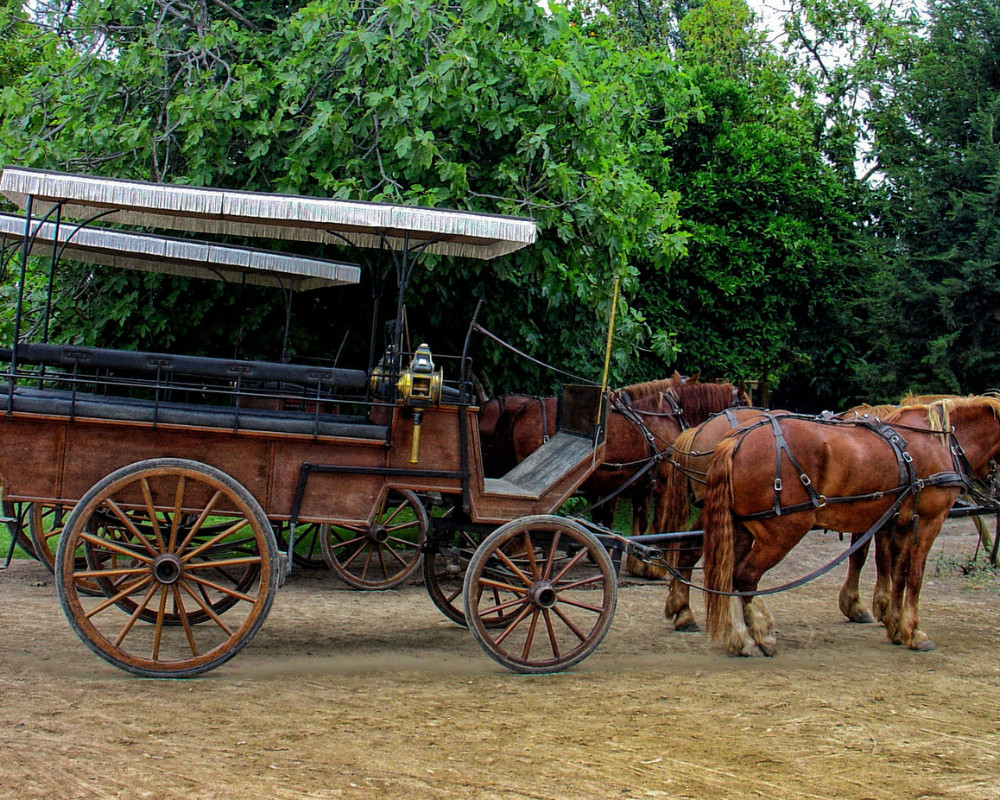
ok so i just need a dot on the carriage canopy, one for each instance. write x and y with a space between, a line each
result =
272 216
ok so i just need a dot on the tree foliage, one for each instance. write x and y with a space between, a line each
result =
935 308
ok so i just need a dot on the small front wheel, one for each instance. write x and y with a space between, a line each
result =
555 586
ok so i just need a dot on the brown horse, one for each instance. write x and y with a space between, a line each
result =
639 425
681 483
839 475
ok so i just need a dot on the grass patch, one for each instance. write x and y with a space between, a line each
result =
975 570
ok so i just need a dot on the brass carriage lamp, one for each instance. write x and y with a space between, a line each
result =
419 387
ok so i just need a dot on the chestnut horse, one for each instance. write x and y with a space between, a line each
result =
771 482
681 484
492 434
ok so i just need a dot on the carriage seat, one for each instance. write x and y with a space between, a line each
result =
160 364
62 403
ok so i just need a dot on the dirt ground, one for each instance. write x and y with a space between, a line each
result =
363 695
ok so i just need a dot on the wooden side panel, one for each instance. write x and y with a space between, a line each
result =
58 460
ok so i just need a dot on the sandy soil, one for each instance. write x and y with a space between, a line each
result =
345 694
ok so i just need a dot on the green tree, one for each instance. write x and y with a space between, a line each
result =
935 304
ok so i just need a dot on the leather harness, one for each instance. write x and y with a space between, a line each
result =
908 483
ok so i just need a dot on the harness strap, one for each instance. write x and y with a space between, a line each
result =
781 446
545 420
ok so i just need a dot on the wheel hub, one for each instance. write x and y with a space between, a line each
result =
167 568
378 534
543 594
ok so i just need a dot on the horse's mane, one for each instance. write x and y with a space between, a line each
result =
700 400
683 444
640 391
912 399
938 412
880 411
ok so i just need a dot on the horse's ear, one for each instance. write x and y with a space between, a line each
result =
694 378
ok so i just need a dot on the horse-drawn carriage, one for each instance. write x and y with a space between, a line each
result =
168 481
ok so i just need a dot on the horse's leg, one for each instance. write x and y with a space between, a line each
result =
640 512
883 573
640 524
678 603
909 619
771 543
850 598
899 540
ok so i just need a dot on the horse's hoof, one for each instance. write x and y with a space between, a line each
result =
754 650
687 627
863 617
922 643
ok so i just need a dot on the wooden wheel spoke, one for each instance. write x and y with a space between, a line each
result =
529 552
130 526
564 587
526 650
135 614
206 607
552 555
394 513
178 505
514 623
550 628
368 563
220 588
581 554
355 540
583 606
193 531
132 587
158 631
381 558
364 547
401 526
513 567
111 573
147 495
392 551
499 608
181 612
242 522
105 544
518 590
223 562
570 624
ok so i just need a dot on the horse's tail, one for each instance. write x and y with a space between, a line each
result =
719 535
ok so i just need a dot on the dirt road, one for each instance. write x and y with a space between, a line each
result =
345 694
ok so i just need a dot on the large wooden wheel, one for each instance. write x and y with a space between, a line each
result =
385 553
555 582
445 563
171 542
